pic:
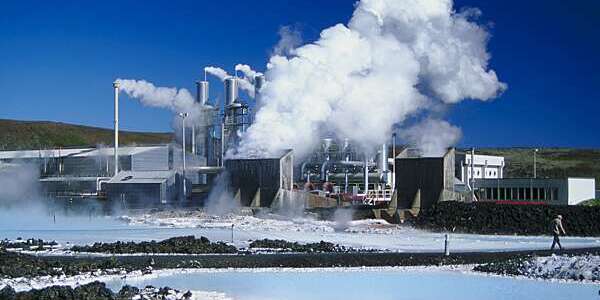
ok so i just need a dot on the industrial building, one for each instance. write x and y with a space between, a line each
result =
260 182
336 173
423 181
565 191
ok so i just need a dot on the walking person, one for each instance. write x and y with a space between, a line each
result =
557 228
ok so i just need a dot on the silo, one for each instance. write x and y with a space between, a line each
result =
231 90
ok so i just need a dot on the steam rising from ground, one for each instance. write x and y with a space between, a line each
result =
393 60
220 200
432 136
19 185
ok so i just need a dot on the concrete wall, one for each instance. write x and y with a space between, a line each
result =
433 176
581 189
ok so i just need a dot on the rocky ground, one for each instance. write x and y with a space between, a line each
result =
181 245
29 244
568 267
95 291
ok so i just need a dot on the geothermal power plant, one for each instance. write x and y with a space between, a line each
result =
395 182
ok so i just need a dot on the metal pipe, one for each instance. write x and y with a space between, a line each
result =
535 163
183 116
393 161
366 175
472 176
193 139
116 86
222 143
384 164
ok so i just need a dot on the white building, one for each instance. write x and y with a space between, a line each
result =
484 167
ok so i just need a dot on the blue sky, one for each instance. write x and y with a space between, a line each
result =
59 58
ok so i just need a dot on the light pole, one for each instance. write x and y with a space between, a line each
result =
116 86
535 151
183 116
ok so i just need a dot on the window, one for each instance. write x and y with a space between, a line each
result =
502 194
542 194
495 193
521 194
515 194
488 193
535 193
528 194
555 193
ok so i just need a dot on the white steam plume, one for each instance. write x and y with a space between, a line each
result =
289 39
217 72
392 60
245 83
176 100
432 136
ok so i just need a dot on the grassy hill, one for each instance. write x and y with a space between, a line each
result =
551 162
18 135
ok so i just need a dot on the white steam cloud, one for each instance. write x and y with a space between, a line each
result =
392 60
289 39
432 136
176 100
217 72
245 83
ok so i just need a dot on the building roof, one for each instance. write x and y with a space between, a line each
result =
75 152
123 151
142 177
24 154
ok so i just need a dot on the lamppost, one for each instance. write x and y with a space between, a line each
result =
183 116
535 151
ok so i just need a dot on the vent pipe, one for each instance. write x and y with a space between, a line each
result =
116 86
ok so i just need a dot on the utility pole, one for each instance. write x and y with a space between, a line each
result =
183 116
535 151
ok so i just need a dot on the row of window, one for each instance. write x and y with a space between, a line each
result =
518 194
478 172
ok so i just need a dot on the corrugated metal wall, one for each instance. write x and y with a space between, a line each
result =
151 160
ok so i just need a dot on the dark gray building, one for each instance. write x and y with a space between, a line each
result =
423 181
142 189
257 181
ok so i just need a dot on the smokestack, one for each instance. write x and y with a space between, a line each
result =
202 92
116 86
231 90
383 168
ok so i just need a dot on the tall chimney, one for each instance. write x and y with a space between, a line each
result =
116 87
202 92
231 90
